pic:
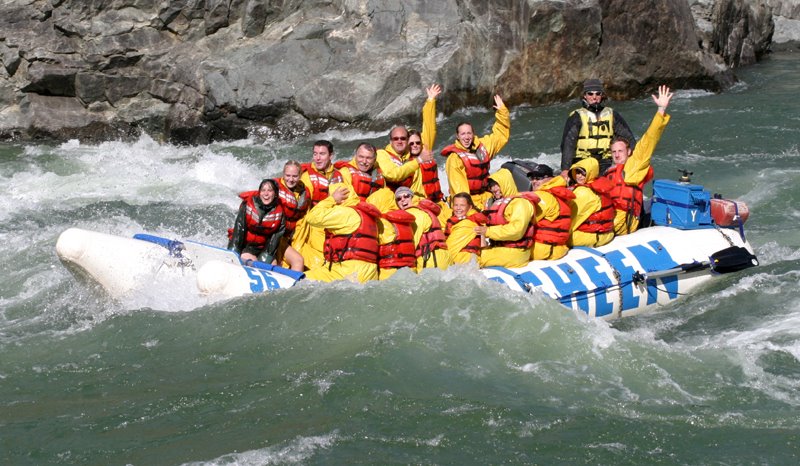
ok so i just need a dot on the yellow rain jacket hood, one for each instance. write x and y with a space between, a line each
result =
590 165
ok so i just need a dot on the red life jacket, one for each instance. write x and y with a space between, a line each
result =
320 182
407 182
294 208
430 180
434 238
361 245
260 225
495 215
364 184
476 165
400 252
556 232
627 198
474 246
601 221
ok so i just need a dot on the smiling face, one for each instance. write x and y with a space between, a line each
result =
365 159
403 200
321 158
414 144
267 193
399 140
497 193
465 135
460 207
291 176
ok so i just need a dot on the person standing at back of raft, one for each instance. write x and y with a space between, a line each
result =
632 170
589 129
469 157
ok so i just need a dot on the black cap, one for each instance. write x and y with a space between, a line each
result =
540 170
593 84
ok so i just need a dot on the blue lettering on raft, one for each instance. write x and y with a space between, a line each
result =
261 279
651 256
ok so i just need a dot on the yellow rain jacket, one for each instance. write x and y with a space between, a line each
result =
637 166
548 208
586 203
340 219
493 142
309 241
391 171
460 236
518 214
440 258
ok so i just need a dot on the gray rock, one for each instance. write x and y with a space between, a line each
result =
201 70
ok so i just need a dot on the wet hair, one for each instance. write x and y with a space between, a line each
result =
466 197
367 146
622 139
271 182
491 183
325 143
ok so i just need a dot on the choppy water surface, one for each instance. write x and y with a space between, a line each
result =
444 368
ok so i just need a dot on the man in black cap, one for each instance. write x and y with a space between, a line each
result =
589 129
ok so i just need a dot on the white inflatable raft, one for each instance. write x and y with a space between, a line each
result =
652 266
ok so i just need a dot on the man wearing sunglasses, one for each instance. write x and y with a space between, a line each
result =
396 161
589 129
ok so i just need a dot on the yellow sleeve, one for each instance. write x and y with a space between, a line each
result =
461 234
428 133
422 223
586 203
456 175
638 164
337 219
393 172
501 131
547 208
518 213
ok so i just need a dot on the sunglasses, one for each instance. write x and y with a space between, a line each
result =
403 196
414 143
399 138
593 93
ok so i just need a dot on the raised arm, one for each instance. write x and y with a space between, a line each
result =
663 98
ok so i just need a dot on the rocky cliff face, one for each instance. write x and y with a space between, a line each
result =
199 70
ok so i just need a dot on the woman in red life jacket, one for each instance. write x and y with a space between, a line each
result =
295 200
462 241
469 157
259 225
